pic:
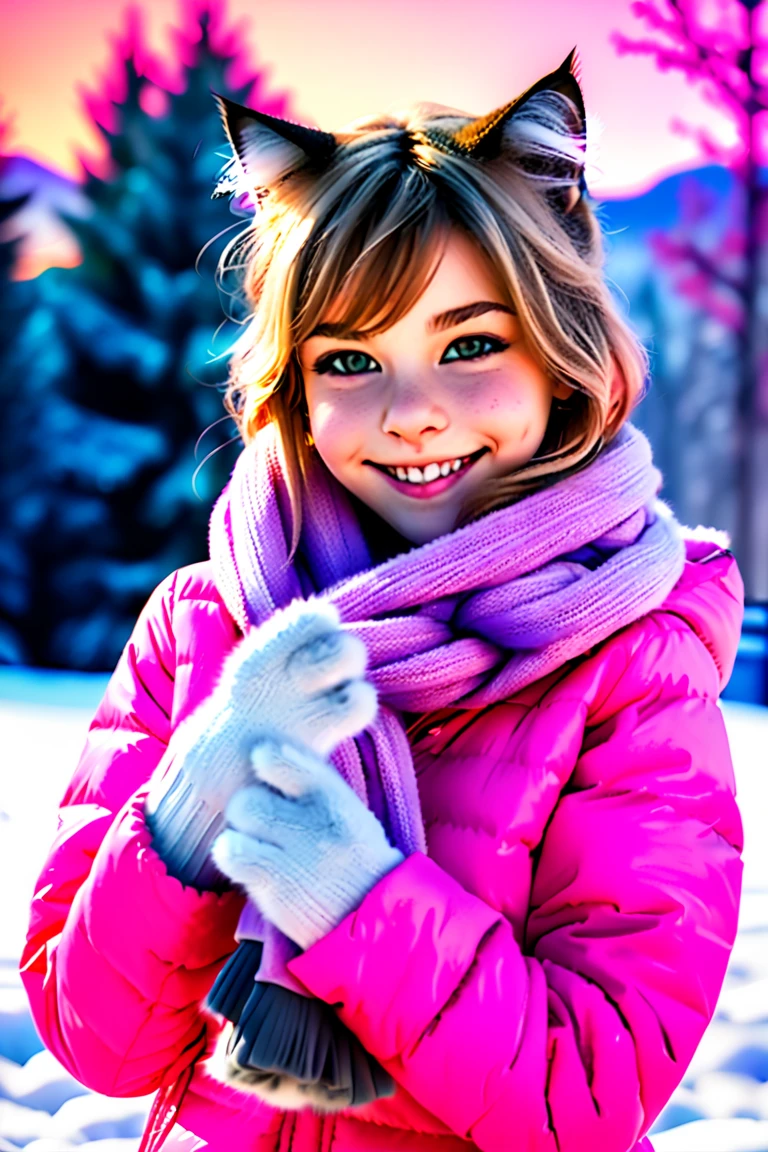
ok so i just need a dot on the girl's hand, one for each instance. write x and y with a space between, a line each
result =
302 844
300 676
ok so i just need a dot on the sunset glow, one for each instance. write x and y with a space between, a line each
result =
342 58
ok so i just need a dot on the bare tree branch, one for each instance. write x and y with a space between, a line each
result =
705 57
671 248
709 147
686 53
655 19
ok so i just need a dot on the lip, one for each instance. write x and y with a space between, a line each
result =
434 487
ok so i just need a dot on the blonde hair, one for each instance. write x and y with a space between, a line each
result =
363 238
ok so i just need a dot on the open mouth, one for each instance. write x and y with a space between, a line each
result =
430 480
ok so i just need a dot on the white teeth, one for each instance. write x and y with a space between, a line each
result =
430 472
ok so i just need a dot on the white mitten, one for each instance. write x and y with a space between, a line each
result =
302 843
300 675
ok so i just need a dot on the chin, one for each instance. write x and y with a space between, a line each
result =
419 538
407 531
423 533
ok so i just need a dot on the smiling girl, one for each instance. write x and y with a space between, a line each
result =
434 405
407 821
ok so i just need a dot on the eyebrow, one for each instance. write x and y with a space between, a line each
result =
438 323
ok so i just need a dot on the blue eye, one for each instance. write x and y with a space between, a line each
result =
472 348
353 363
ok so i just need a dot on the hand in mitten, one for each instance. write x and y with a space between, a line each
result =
300 674
301 842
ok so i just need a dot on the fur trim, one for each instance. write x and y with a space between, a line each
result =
276 1089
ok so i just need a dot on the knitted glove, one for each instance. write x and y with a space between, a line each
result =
302 843
299 673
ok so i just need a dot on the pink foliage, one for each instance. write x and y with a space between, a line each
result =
664 247
710 148
694 286
154 100
666 58
132 58
760 127
708 278
668 22
733 244
727 312
696 201
130 55
711 278
705 41
718 26
760 64
228 42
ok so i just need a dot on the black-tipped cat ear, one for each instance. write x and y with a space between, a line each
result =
482 138
265 148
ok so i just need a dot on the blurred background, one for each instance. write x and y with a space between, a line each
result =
113 346
113 442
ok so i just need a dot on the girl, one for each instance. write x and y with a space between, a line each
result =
407 822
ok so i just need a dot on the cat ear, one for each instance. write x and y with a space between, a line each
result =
484 138
265 148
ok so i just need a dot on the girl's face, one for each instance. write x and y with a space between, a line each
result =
415 419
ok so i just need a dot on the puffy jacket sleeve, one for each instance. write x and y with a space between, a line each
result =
577 1038
118 953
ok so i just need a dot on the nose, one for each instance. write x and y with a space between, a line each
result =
413 413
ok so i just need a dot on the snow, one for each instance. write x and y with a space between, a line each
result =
720 1106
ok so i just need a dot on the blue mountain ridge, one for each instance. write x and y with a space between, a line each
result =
48 190
627 219
659 207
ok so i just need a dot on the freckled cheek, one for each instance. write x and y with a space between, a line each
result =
503 405
504 400
338 425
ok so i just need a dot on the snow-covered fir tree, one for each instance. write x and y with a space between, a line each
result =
117 354
15 414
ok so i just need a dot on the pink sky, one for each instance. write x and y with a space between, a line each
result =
341 59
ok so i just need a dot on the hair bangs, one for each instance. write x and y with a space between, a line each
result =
371 261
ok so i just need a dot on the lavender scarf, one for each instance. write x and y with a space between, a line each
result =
465 620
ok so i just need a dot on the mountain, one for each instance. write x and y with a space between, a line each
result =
46 240
660 206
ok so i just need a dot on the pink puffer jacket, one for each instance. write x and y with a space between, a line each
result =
537 983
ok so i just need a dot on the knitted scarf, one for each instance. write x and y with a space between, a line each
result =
465 620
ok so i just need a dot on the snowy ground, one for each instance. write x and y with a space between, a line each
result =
721 1105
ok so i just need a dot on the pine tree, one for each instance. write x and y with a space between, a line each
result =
14 302
120 351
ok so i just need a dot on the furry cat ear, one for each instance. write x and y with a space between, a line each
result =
485 139
265 148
